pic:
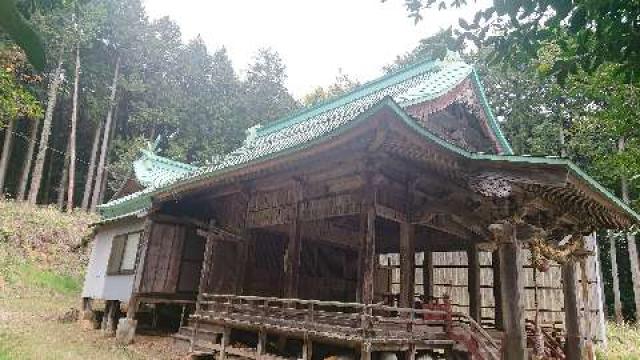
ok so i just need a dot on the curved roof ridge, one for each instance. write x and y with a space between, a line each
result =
354 94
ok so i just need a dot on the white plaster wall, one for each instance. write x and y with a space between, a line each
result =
97 284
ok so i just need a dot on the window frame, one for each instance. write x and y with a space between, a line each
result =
116 255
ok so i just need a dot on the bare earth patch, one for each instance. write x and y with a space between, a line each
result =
35 333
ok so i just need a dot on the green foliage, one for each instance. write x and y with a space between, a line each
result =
343 84
266 95
23 33
598 32
16 98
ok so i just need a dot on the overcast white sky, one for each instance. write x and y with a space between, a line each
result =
315 38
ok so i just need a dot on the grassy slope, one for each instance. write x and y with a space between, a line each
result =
42 259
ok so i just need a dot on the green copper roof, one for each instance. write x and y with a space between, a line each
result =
151 169
415 84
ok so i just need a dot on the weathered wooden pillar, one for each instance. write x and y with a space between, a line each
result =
243 262
427 274
473 285
307 349
244 247
367 252
292 260
407 264
574 343
512 295
205 271
497 292
141 257
111 316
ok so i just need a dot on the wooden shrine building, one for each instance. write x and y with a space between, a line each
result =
325 234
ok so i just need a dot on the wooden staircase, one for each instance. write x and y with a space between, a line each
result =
552 347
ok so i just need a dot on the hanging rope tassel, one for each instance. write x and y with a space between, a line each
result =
538 340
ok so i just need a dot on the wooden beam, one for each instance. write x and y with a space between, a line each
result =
407 264
475 295
391 214
512 295
334 205
442 222
219 236
575 344
182 220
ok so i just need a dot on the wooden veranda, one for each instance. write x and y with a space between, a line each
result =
363 328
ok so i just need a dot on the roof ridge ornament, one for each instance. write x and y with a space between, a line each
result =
152 146
251 134
452 57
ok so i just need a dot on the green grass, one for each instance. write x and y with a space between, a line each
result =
31 276
623 342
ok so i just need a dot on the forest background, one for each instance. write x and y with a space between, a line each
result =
562 79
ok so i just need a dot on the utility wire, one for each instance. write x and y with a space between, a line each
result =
58 152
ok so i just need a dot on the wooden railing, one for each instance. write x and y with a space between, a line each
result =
349 322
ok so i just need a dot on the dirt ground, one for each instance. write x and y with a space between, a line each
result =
30 328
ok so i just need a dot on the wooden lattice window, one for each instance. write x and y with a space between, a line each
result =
124 248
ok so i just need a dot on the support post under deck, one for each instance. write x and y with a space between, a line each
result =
512 291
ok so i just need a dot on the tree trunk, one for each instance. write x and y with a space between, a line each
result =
28 160
631 240
563 146
6 153
46 131
617 304
72 135
105 140
92 168
62 186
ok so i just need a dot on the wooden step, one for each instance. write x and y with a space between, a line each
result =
241 352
